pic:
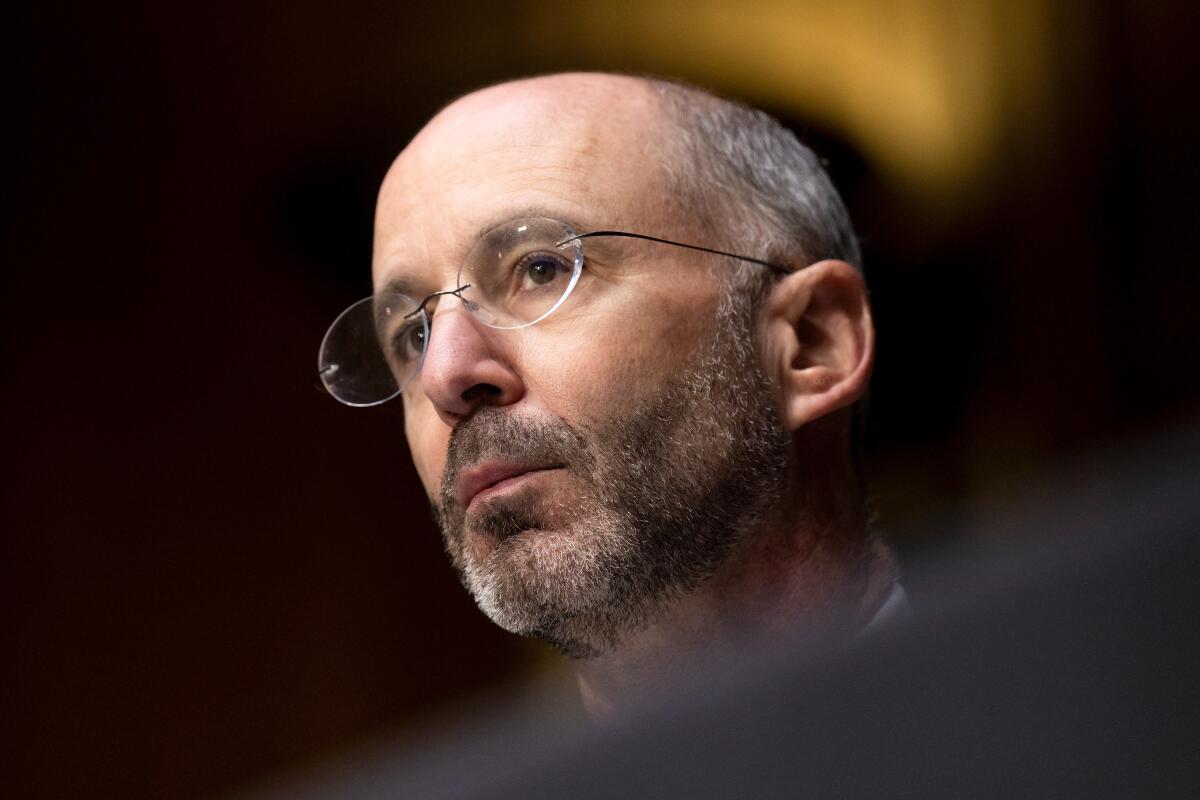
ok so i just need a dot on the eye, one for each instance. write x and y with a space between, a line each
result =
538 270
409 341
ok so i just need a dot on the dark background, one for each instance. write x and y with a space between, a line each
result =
213 572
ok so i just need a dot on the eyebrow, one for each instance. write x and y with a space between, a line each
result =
409 286
398 285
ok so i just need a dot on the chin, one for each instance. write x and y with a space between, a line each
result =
548 582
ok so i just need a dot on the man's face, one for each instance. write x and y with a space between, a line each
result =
606 459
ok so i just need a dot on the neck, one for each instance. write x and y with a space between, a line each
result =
811 571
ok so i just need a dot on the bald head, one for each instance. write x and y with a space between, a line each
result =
583 95
733 170
590 142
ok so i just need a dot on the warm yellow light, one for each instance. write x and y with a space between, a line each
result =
926 88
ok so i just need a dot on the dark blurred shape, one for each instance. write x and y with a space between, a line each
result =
1064 667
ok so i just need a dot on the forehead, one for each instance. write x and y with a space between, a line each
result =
589 152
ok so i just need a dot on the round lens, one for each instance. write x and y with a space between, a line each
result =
520 272
373 349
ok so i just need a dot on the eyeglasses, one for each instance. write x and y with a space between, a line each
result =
515 276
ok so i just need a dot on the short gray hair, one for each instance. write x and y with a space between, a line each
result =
766 194
752 180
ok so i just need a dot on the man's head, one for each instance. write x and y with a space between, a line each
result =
592 468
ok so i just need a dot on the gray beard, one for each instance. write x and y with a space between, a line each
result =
670 489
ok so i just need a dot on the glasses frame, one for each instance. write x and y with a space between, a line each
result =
320 386
626 234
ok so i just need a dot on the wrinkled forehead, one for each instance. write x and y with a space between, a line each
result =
590 157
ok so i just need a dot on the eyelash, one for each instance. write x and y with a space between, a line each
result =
522 265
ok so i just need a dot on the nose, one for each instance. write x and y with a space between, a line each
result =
462 369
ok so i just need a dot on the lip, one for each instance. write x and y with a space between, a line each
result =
478 479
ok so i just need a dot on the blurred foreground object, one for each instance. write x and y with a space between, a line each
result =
1065 667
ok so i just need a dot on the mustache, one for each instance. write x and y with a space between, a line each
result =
494 433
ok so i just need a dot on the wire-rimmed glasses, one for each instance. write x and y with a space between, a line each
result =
515 276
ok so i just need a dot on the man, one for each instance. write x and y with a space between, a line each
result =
625 324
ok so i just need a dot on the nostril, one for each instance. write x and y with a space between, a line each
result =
481 391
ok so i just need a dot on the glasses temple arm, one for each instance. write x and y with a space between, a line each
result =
627 235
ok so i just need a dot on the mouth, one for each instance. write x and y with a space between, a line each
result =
493 476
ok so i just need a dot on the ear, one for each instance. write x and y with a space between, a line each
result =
819 341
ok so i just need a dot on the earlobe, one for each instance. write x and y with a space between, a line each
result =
821 341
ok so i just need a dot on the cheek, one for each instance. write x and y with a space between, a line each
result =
615 364
427 438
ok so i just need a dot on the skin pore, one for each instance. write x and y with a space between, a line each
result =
689 483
